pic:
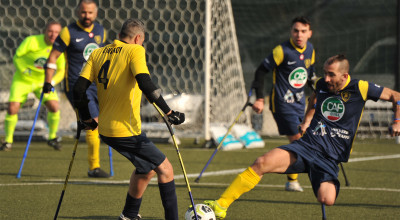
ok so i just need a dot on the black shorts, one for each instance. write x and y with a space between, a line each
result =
143 154
319 168
287 123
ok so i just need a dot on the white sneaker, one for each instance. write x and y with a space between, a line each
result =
293 187
122 217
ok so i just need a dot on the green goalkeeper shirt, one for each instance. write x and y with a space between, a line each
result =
30 57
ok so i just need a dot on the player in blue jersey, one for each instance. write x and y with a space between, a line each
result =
292 66
77 41
329 126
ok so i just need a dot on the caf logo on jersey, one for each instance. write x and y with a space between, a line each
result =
332 109
89 49
39 62
298 77
345 96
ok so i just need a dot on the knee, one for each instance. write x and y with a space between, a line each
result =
327 193
52 106
150 174
165 168
326 201
260 166
13 108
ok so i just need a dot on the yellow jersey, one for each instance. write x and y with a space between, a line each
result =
113 68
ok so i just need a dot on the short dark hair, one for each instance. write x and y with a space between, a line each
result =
131 28
301 19
344 65
86 2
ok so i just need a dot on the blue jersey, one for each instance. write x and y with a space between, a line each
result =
77 42
291 68
337 116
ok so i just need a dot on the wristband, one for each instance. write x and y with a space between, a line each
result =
398 102
51 66
396 119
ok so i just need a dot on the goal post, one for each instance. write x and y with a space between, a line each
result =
191 48
226 77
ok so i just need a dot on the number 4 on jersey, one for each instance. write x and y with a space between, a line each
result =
102 76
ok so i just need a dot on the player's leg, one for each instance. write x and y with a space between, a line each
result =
127 147
327 193
19 91
275 161
292 183
166 185
92 137
288 125
53 118
9 125
137 185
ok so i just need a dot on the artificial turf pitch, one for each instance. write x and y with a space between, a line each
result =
374 175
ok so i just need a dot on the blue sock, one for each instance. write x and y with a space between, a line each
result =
132 206
169 200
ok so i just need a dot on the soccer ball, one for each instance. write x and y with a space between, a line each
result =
204 212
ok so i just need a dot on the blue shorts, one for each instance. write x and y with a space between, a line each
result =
319 167
142 153
93 104
287 123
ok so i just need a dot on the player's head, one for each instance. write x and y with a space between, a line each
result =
336 70
51 31
300 31
132 31
87 12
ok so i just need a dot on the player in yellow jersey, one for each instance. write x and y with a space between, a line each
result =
121 75
29 59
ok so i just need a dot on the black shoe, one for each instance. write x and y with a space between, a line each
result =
5 146
55 143
122 217
98 173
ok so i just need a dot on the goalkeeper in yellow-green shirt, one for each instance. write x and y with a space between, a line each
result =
29 59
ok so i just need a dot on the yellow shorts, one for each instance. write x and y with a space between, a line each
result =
20 88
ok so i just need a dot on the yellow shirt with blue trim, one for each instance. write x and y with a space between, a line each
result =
113 68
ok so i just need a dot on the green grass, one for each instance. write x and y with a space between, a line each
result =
374 192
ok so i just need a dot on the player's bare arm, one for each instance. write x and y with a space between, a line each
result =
49 71
309 113
394 97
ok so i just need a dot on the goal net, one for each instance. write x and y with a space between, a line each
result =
191 45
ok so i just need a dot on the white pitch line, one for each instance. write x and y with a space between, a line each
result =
374 158
213 173
115 182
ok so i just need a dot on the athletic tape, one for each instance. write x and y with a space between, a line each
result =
51 66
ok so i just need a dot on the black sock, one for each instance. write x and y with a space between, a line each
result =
169 200
132 206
